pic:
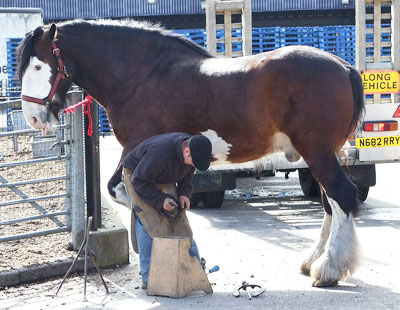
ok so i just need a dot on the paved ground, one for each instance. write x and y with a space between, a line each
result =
262 240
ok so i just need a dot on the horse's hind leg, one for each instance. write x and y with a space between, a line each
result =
319 247
341 255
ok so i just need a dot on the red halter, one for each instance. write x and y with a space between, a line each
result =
61 74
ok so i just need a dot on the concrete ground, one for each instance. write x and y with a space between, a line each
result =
262 240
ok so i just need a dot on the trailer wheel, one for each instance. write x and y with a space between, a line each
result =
363 193
309 185
195 199
213 200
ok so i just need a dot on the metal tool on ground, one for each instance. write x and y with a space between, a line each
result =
211 270
207 271
245 286
85 244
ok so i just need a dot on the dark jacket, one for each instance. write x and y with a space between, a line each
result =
159 160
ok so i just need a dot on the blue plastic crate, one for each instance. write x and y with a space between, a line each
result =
104 123
299 36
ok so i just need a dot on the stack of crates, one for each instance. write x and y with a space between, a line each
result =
13 86
338 40
298 36
265 39
104 123
196 35
385 37
13 82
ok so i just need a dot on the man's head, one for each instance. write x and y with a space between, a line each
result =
197 152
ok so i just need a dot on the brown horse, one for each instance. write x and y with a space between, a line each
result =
297 99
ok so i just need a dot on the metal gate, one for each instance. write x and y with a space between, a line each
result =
41 177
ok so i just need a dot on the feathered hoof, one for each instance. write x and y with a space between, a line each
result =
319 283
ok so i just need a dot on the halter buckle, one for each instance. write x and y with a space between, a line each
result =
56 50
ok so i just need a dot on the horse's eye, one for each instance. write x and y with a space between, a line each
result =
38 67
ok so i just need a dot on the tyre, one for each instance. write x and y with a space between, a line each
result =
213 200
363 193
195 200
309 185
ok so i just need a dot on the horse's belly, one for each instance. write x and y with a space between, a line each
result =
282 143
230 152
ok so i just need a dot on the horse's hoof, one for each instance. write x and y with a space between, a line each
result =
305 269
319 283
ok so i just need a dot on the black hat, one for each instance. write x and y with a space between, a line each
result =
200 150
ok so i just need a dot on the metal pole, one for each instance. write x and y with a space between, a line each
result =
75 184
92 156
88 223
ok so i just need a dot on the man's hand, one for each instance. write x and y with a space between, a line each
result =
169 204
185 203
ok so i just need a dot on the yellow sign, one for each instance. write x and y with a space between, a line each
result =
377 142
381 82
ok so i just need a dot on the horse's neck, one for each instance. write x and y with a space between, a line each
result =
105 75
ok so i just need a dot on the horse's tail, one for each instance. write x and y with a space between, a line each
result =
358 96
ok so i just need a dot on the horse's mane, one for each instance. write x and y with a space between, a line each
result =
129 25
25 50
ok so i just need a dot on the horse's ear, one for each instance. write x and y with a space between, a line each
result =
52 32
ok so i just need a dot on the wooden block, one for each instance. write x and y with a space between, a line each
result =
173 272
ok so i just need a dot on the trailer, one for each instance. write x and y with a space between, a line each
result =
376 141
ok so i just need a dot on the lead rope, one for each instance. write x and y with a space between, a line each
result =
86 110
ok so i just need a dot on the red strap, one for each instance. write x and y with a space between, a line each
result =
86 109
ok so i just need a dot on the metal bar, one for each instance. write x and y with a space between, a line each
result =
35 234
36 217
88 224
28 200
33 204
15 104
35 181
33 161
27 131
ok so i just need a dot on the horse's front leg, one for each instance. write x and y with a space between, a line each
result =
341 254
116 187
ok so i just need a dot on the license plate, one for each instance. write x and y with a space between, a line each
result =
377 142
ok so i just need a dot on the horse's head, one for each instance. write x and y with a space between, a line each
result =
43 77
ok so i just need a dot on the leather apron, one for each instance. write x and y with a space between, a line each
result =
155 223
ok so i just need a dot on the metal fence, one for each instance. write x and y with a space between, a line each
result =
41 177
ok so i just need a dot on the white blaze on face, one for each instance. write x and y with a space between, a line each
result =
220 148
36 84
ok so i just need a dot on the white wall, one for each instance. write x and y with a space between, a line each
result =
15 25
